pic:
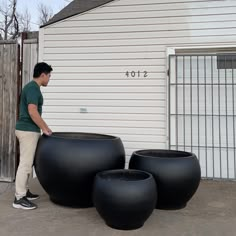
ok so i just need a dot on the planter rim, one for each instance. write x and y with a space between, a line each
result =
142 153
81 136
102 175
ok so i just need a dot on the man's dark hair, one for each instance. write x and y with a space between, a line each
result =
40 68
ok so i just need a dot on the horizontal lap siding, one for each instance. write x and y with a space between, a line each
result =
90 54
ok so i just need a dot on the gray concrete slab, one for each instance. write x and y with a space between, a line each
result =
211 212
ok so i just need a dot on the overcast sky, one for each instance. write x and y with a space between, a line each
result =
32 5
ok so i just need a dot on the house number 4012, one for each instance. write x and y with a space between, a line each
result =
136 74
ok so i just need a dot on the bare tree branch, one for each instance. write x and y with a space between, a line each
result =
9 23
45 14
24 21
2 11
12 15
16 27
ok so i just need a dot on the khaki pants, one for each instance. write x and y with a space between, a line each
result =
28 142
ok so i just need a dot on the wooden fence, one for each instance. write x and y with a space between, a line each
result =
12 80
9 55
30 58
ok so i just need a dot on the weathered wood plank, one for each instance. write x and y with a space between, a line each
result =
8 109
30 58
1 108
6 118
12 109
25 66
3 42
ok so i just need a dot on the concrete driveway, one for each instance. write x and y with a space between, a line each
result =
211 212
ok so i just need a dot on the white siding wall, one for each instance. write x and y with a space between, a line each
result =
91 53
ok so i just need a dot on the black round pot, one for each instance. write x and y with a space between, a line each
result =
124 198
177 175
66 164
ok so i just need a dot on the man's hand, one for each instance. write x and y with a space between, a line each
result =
47 132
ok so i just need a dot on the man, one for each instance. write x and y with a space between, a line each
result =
28 129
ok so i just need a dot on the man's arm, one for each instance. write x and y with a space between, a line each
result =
35 116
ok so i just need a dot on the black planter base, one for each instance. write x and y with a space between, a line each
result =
124 227
174 207
72 204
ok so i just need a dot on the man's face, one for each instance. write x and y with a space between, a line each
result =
46 78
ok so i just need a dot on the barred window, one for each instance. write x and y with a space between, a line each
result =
226 61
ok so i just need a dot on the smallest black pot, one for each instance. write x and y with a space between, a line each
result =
124 198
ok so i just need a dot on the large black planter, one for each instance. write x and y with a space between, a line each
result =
177 175
66 164
124 198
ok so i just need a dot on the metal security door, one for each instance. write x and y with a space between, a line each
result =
202 110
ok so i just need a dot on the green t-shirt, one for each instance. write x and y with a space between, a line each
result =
31 94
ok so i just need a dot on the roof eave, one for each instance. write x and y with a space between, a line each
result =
53 22
78 13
